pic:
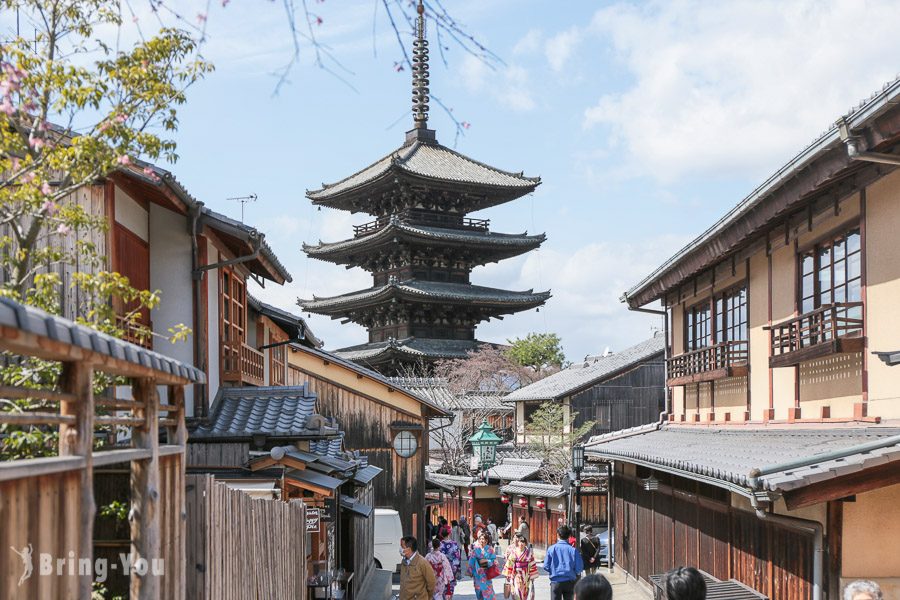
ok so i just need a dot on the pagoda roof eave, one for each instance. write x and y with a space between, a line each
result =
427 292
411 348
428 163
506 245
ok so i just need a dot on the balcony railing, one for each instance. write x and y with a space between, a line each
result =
420 217
830 329
243 364
133 334
728 359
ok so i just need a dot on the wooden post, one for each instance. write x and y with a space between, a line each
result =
77 440
178 435
144 514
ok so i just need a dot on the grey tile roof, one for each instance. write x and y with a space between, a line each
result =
465 481
45 325
511 450
428 235
512 469
294 324
889 358
584 375
434 348
367 474
331 447
856 118
275 411
726 457
432 161
437 390
246 233
533 488
427 291
338 357
314 478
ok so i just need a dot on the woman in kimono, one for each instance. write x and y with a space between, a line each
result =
443 572
453 552
480 560
520 569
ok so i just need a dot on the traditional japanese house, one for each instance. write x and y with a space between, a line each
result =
544 506
270 441
616 391
778 463
381 420
422 245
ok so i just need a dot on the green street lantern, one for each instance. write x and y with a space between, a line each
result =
484 445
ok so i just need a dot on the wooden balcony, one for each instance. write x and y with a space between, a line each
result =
830 329
728 359
420 217
133 334
243 364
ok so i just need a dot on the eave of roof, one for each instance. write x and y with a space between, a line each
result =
376 352
427 291
533 488
430 161
284 318
863 115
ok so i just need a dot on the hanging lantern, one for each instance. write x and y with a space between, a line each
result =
651 483
523 501
470 493
504 498
469 502
541 503
484 445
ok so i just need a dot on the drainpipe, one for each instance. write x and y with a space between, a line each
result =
853 143
803 525
201 405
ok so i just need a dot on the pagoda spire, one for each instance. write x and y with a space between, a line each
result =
420 72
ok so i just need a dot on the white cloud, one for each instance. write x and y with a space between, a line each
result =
509 86
737 87
560 47
528 43
586 284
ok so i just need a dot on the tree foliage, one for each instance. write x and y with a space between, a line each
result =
487 369
538 351
72 110
549 434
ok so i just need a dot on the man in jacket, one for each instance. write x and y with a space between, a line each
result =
563 563
417 579
590 550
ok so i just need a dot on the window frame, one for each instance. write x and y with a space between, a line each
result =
714 321
809 300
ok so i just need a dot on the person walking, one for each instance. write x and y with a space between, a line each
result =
563 563
456 532
593 587
492 529
590 550
520 569
466 532
443 571
863 589
454 555
481 559
523 529
417 580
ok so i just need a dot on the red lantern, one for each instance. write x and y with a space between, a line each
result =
541 503
504 498
469 501
470 493
523 501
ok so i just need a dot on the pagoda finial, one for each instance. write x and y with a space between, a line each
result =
420 72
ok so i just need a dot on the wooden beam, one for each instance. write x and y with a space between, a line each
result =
144 514
848 485
77 440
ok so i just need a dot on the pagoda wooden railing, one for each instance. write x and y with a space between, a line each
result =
49 502
243 364
419 217
727 359
830 329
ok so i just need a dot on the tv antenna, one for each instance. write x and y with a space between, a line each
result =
243 200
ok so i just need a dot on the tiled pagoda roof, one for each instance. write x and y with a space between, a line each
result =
427 292
375 353
429 161
492 246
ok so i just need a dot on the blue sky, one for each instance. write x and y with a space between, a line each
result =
645 121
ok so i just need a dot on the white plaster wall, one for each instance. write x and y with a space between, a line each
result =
131 215
170 272
212 352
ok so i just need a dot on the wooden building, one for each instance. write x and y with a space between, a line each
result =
421 246
617 390
381 420
779 461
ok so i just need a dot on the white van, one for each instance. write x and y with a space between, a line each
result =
388 532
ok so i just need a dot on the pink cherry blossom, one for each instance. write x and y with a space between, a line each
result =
46 189
7 107
63 229
201 17
124 160
120 118
36 143
50 207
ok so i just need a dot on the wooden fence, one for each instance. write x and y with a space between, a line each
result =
242 548
47 505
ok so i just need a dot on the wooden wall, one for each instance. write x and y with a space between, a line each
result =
367 423
238 547
541 523
633 398
683 525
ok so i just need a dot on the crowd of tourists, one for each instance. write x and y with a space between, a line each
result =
458 550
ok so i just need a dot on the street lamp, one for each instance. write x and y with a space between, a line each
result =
577 466
484 445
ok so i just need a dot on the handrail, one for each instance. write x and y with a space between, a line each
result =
709 358
243 363
413 216
827 323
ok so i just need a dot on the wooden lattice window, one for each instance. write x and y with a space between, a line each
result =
233 328
731 316
831 273
698 323
277 357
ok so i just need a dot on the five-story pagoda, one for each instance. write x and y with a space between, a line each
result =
421 247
